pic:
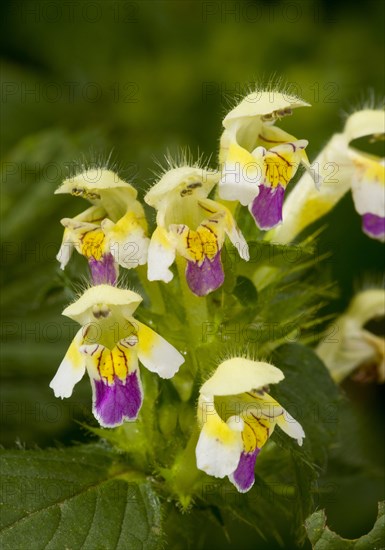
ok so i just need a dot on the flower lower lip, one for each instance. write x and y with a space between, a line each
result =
374 226
117 402
207 277
104 271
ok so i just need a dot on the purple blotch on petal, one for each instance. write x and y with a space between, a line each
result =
119 401
374 226
103 271
243 477
266 208
207 277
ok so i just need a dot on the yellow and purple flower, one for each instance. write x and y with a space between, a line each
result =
191 225
258 159
108 346
237 416
341 167
110 233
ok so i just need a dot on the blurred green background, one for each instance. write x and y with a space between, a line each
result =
83 79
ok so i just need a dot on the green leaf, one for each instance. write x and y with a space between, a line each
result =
311 396
82 497
246 292
322 538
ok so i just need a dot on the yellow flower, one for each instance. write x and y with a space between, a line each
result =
237 416
341 167
191 225
259 159
112 232
109 344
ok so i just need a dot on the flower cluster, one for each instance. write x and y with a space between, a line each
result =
196 210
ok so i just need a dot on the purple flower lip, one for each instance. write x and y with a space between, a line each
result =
243 477
266 208
207 277
103 271
120 401
374 226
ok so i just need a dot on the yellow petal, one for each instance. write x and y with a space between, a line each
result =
108 364
256 432
367 122
264 104
307 203
239 375
185 180
155 353
82 310
88 183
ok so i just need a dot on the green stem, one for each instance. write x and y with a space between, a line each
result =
195 306
185 474
153 291
196 314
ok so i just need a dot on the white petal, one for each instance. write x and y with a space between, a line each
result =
156 354
241 175
349 345
291 427
219 446
66 249
161 254
369 197
239 375
368 186
126 240
236 237
92 215
367 305
348 350
71 369
133 251
234 186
